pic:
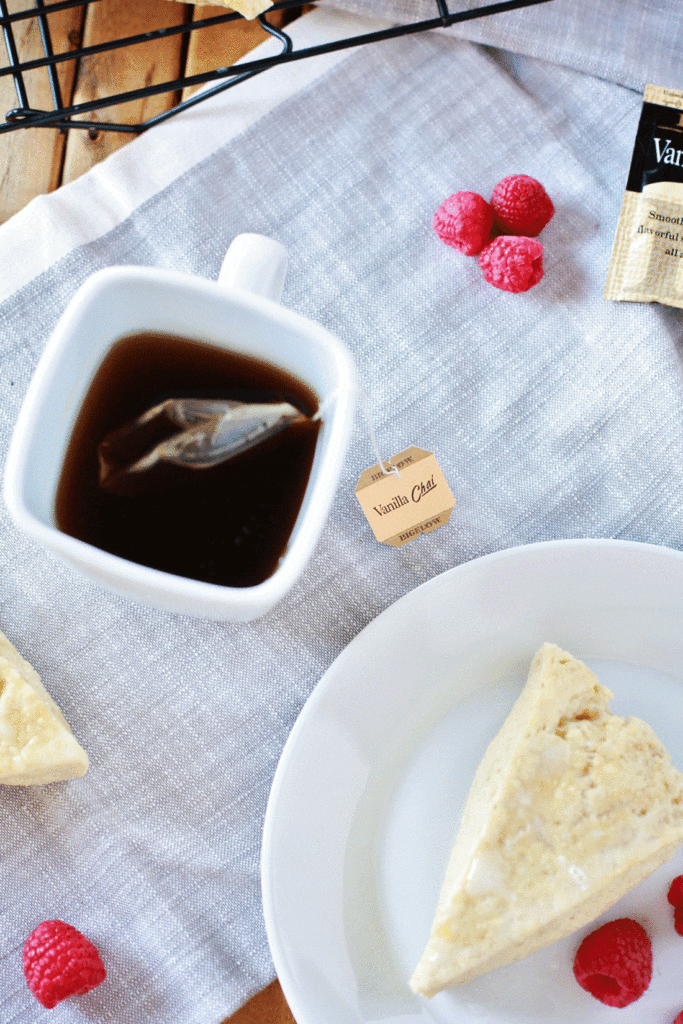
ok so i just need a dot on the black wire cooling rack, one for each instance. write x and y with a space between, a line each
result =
62 116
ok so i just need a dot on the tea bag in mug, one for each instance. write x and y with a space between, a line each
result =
647 256
192 433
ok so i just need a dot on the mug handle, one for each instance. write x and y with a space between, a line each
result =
255 264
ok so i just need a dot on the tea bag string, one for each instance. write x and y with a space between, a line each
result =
382 463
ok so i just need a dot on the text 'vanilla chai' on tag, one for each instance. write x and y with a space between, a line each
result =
401 507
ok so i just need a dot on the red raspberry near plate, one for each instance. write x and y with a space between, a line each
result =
60 962
464 221
512 263
678 1019
675 893
614 962
521 205
678 919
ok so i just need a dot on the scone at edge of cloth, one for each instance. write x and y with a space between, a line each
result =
570 808
37 745
249 9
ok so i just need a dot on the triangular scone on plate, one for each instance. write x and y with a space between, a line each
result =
36 743
570 808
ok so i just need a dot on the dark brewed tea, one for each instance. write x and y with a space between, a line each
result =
229 524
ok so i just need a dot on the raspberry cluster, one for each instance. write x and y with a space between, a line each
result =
614 962
501 233
60 962
675 898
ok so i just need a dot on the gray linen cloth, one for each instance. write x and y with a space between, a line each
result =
553 414
631 42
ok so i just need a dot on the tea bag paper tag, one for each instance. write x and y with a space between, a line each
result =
401 508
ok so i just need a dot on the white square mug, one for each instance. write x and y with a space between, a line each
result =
240 312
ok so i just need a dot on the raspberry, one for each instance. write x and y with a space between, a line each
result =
464 221
678 1019
512 263
614 962
678 920
521 205
60 962
675 893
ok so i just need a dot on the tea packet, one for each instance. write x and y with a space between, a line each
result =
647 256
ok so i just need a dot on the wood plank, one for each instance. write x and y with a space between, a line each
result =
219 46
34 161
120 70
31 158
268 1007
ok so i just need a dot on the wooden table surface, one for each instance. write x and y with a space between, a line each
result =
36 161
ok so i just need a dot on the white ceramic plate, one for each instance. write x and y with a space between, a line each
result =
367 797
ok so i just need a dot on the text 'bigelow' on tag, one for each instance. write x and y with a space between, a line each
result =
401 508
